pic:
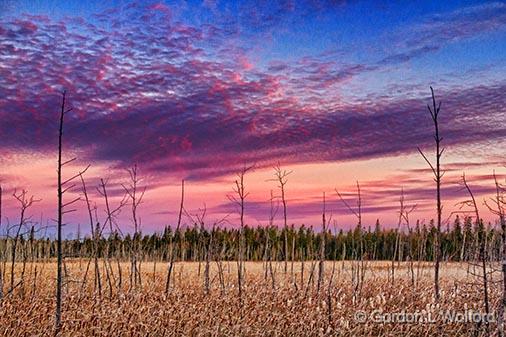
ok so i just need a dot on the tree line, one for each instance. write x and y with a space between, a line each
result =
460 241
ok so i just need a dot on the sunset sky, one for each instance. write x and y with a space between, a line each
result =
335 91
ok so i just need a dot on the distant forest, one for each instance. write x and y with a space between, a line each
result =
460 241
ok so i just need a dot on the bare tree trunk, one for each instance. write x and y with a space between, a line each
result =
61 189
358 265
321 264
302 267
281 178
500 203
241 241
292 258
482 249
434 113
98 279
403 217
268 249
136 200
25 204
219 264
60 220
173 254
498 209
239 200
209 250
271 270
110 220
329 297
266 255
94 252
397 235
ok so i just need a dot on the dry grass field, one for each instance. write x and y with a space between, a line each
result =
289 309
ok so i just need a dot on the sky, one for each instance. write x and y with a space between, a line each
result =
334 92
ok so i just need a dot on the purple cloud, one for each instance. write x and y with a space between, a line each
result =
179 98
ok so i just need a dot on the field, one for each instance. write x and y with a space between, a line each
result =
292 306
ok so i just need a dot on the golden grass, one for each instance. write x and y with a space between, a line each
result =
283 311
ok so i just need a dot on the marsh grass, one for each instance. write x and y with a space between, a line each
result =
284 311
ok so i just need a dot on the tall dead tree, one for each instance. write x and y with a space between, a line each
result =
268 249
60 215
358 265
497 206
404 212
438 175
281 178
135 196
207 245
60 218
62 188
482 241
110 220
173 251
95 238
239 199
25 203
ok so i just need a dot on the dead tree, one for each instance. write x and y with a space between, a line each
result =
25 203
438 175
199 221
113 228
59 224
321 264
403 218
281 178
95 238
60 217
330 322
62 188
268 249
358 265
173 252
497 206
135 197
239 200
397 236
209 248
471 202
